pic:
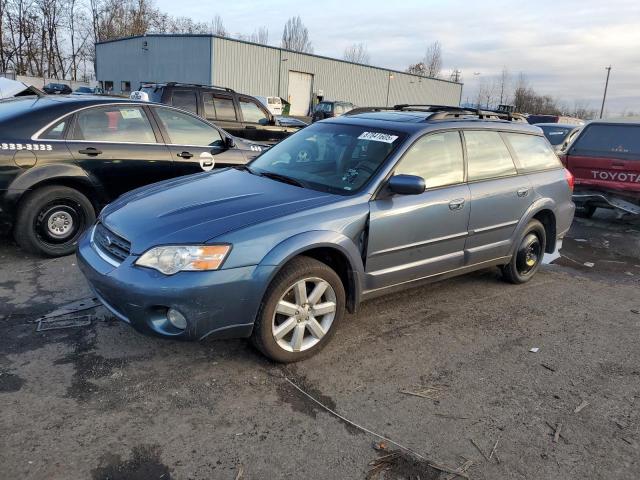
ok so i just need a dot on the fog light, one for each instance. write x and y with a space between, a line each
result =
177 319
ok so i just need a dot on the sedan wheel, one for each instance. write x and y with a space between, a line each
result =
300 310
304 314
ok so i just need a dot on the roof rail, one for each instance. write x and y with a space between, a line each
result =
186 84
442 112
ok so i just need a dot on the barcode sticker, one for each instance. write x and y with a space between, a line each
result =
378 137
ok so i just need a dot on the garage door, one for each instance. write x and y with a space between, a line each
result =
300 93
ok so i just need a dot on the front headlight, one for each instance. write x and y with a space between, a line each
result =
172 259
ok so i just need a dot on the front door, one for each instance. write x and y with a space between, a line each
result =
417 236
259 125
499 196
118 145
195 145
219 109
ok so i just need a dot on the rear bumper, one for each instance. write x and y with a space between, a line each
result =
221 304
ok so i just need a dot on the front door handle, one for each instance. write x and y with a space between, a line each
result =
185 155
456 204
92 152
523 192
250 127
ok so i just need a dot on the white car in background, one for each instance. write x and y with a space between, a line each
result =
273 104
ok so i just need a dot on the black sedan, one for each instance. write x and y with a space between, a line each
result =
62 158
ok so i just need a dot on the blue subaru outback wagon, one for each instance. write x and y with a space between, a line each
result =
342 211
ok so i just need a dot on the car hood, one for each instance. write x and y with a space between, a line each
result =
198 208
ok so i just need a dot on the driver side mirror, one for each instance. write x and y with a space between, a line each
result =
229 142
406 184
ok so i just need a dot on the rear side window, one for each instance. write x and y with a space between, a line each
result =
185 99
55 132
437 158
218 108
113 124
487 156
618 141
533 152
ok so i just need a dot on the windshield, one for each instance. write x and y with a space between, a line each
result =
556 134
329 157
323 107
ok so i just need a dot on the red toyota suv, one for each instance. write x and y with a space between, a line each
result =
605 161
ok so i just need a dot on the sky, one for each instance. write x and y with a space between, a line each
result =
562 46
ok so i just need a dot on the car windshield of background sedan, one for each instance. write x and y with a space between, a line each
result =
328 157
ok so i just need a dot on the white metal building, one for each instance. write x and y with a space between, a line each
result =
121 65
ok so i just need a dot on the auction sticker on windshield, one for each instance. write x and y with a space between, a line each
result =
378 137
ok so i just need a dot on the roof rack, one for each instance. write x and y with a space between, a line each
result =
443 112
186 84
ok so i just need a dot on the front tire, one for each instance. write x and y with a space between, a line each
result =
528 255
51 219
300 311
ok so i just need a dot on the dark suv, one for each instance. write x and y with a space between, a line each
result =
239 114
331 109
57 89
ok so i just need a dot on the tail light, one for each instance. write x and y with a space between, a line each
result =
570 180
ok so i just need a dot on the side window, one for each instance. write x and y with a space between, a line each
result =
252 113
55 132
184 129
185 99
339 109
487 155
218 108
437 158
113 124
533 152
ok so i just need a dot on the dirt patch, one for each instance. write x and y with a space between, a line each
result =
397 465
144 464
10 382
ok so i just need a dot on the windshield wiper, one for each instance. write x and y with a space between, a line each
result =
282 178
245 168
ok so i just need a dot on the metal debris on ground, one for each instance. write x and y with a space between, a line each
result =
58 323
430 392
534 350
73 307
581 406
556 434
431 463
589 264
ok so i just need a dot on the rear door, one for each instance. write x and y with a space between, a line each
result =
185 99
499 196
606 156
416 236
219 108
120 146
194 144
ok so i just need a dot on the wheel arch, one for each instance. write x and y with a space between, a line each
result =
65 175
331 248
542 210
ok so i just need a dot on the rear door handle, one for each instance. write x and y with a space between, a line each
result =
90 151
250 127
456 204
185 155
523 192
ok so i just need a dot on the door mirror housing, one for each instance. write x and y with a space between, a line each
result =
406 184
229 142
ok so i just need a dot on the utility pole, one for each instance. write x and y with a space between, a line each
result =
606 85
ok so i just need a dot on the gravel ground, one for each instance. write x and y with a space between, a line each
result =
103 402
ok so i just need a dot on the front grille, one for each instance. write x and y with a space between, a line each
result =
110 244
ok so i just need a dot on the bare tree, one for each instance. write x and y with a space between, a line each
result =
296 36
505 79
417 69
433 60
357 53
261 36
217 27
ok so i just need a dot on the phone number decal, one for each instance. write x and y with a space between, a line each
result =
26 146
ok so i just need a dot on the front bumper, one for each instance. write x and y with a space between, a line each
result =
220 304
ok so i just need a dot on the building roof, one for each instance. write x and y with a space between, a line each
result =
175 35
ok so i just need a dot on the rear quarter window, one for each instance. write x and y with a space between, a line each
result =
532 152
617 141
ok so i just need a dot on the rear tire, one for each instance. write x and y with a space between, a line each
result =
528 255
286 314
51 219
